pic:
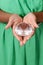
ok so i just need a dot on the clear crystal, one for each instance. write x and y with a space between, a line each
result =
23 29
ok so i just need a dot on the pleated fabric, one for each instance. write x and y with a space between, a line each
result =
11 53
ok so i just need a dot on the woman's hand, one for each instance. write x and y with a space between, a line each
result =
30 19
13 21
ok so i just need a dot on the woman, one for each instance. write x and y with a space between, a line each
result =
14 12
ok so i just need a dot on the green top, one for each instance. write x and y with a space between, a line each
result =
21 7
10 51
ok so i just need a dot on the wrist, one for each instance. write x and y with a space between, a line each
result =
39 16
4 16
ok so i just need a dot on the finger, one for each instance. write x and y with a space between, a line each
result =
32 26
14 33
21 43
9 24
28 37
24 41
32 23
18 37
29 23
35 24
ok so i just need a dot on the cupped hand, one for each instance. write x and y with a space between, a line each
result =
13 21
30 19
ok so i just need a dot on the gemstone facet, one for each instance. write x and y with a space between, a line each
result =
23 29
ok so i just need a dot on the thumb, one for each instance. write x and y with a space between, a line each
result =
9 24
35 24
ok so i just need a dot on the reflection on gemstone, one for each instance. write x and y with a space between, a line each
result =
23 29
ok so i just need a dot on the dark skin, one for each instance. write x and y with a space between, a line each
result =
8 18
4 16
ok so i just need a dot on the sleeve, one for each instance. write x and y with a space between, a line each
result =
38 5
5 5
11 6
42 5
8 6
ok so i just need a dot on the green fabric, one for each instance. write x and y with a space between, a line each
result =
10 51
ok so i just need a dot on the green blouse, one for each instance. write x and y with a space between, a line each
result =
21 7
11 53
